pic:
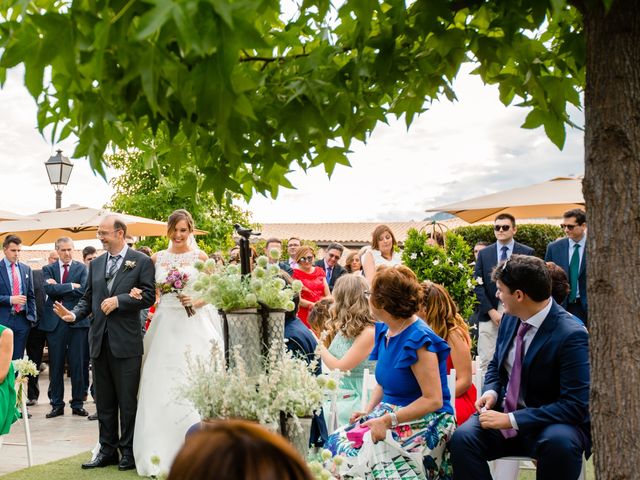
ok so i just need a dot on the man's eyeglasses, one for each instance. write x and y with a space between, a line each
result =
102 233
306 259
565 226
130 245
337 257
504 228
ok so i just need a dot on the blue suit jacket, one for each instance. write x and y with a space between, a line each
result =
486 262
558 253
63 293
555 373
27 289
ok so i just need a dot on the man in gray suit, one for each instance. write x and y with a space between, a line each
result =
115 339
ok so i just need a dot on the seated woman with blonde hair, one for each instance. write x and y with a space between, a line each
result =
411 401
441 314
352 330
238 450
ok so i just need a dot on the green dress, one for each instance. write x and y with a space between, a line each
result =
350 393
8 412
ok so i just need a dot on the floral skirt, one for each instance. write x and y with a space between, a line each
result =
427 437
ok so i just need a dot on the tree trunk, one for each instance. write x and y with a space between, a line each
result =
612 195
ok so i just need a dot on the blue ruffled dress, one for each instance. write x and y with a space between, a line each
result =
428 435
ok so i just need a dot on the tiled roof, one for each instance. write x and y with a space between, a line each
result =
360 233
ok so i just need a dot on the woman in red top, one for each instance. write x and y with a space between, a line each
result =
315 286
441 314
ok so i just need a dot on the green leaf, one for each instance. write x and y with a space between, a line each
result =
223 8
154 19
242 105
555 130
535 118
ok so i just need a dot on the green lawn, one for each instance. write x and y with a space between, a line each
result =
69 468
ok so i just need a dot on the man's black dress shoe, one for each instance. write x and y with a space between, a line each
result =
55 412
80 411
127 463
101 460
32 402
93 416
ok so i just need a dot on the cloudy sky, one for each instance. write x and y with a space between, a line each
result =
452 152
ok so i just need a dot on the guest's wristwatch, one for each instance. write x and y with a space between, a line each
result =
394 420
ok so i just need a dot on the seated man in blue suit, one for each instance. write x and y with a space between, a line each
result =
65 281
536 390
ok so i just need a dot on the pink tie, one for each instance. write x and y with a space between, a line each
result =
513 387
16 286
65 275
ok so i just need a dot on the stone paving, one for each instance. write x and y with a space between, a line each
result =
52 439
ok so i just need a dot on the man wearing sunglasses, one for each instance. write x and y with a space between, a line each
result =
489 308
570 254
333 270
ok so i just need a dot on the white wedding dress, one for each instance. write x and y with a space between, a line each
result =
163 416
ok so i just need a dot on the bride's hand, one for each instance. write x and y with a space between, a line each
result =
136 293
186 300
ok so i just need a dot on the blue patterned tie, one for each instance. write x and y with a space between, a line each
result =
329 270
503 254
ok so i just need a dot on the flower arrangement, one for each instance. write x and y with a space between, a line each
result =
175 282
227 289
447 266
287 384
23 367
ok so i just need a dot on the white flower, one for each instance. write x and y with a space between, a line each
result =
263 261
413 256
461 265
479 281
326 454
436 262
469 283
129 264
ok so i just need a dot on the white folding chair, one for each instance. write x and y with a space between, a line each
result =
508 468
451 383
368 384
25 421
477 373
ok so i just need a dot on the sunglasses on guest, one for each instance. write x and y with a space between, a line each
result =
504 228
306 259
565 226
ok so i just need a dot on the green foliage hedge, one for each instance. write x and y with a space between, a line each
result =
537 236
449 266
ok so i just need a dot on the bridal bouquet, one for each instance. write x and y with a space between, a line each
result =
175 282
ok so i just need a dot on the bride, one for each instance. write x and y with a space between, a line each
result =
163 417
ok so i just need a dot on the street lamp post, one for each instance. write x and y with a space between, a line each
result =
59 170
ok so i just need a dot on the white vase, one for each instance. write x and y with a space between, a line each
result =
243 329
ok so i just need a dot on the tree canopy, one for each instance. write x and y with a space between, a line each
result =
138 191
243 91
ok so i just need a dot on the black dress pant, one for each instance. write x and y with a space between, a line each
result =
35 350
116 382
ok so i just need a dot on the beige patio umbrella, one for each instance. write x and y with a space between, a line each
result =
542 200
78 223
4 215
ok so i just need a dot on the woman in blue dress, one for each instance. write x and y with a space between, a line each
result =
412 399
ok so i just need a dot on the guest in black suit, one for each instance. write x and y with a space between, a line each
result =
276 244
89 253
17 300
65 281
37 337
570 254
490 310
330 264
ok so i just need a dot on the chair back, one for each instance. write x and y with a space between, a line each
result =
368 384
477 372
451 383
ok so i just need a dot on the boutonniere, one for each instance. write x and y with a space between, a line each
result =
129 264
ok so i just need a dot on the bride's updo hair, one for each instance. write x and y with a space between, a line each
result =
175 217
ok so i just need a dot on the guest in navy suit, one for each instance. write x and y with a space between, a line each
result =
570 254
536 392
333 270
489 309
17 299
65 281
